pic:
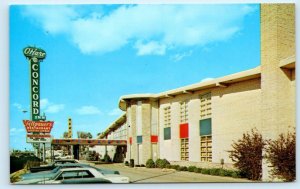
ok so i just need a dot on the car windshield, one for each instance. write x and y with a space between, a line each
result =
55 175
55 169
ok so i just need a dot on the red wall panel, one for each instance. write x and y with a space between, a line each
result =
130 140
154 138
184 130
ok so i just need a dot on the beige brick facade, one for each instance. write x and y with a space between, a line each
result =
261 98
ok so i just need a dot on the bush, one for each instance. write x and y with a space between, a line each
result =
150 163
106 158
197 170
137 166
126 163
142 165
214 171
281 153
161 163
224 172
247 154
235 174
176 167
183 168
205 171
169 166
192 168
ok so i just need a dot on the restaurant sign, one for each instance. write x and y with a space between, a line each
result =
38 126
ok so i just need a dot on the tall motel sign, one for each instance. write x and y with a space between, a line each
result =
38 129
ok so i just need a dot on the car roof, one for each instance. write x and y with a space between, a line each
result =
58 160
78 168
73 164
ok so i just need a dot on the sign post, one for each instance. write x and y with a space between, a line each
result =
38 129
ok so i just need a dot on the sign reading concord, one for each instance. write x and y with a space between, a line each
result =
38 130
35 56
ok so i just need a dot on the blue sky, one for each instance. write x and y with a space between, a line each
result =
97 53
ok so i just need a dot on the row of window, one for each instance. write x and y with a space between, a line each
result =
204 129
205 110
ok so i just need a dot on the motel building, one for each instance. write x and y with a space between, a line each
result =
197 124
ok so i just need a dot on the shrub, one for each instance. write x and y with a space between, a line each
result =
106 158
142 165
205 171
247 154
126 163
281 153
161 163
176 167
169 166
224 172
150 163
182 168
214 171
197 170
137 165
192 168
235 174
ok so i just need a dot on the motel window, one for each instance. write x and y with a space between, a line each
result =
205 106
167 116
139 139
184 112
205 140
167 133
205 128
184 149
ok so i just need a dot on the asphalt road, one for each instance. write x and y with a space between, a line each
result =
156 175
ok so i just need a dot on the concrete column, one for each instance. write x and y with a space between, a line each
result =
277 43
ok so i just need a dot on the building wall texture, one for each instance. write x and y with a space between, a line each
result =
278 87
265 103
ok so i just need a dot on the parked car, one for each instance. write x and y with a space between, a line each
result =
76 173
85 181
51 166
49 174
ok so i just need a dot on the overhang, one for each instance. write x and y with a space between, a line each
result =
114 126
218 82
288 63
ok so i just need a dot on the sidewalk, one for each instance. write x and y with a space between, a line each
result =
157 175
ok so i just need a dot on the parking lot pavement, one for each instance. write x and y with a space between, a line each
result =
156 175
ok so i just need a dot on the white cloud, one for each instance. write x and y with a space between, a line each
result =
44 103
115 112
54 19
18 106
159 27
49 107
149 48
15 131
207 79
54 108
180 56
88 110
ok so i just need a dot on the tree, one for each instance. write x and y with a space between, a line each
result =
281 153
247 154
89 135
65 135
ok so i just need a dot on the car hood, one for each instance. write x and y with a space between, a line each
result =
37 176
31 181
117 178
